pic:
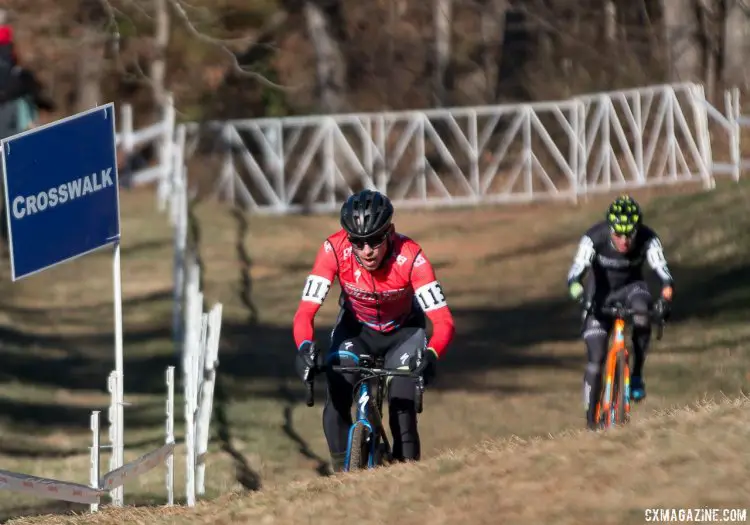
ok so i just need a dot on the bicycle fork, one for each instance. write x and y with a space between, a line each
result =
366 411
606 403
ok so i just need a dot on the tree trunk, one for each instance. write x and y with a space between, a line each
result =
736 47
682 35
90 17
89 67
159 62
330 60
493 31
610 24
443 17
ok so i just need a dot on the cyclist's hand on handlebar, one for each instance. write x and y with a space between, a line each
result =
306 360
664 304
662 308
576 291
427 368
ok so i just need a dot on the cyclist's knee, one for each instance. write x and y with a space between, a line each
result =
399 357
347 354
340 390
641 319
593 327
402 390
640 301
594 369
595 336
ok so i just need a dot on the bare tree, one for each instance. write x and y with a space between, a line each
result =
443 19
90 62
159 60
326 35
493 30
610 24
682 34
736 44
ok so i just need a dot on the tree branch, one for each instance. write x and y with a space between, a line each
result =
276 21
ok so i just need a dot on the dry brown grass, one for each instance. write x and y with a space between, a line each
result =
515 367
685 458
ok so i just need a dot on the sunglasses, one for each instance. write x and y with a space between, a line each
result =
621 235
373 242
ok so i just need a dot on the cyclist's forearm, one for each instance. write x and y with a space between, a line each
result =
575 277
303 324
658 263
582 260
443 330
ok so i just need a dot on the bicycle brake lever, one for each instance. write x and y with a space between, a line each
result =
310 383
660 330
310 393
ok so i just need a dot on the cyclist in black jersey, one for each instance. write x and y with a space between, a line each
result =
614 251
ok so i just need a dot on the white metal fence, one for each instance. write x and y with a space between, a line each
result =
601 142
114 479
655 135
196 334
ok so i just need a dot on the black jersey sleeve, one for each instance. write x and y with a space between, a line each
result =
585 254
657 261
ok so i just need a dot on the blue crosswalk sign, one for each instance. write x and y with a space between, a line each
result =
61 190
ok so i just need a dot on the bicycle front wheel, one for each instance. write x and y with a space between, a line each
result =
359 447
621 379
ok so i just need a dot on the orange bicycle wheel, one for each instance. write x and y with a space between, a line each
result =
604 406
621 389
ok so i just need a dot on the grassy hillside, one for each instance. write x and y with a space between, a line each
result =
515 367
686 458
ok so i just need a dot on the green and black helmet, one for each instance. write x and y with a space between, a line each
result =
624 215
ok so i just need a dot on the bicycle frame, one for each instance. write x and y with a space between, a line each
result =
369 411
617 348
366 409
606 403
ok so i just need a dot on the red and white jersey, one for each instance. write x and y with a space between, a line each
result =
382 299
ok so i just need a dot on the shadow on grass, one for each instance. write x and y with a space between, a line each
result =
487 339
244 473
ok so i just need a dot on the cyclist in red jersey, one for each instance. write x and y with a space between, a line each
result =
388 287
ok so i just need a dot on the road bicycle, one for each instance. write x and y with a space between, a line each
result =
613 406
368 444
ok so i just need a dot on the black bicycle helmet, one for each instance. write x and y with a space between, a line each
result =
366 214
624 215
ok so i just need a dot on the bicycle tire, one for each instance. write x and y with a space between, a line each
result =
620 406
605 405
359 454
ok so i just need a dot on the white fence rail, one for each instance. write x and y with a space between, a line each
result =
161 132
196 333
200 360
594 143
116 478
655 135
99 486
